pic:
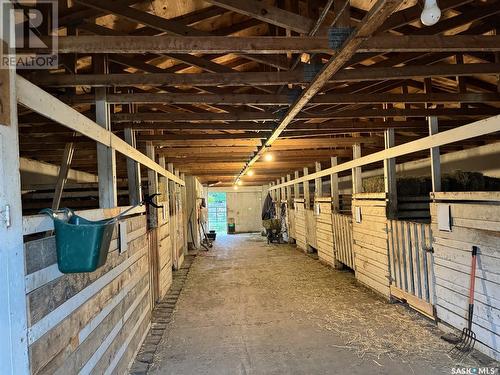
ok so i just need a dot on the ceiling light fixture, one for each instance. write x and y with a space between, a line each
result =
268 156
431 13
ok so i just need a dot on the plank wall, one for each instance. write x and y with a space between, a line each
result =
311 230
300 224
475 219
324 233
164 262
88 322
370 242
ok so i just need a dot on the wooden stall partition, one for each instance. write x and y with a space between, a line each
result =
342 239
291 222
411 265
460 221
179 213
311 230
370 241
164 263
300 224
87 322
324 230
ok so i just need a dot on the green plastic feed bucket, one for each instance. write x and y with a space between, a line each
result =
82 245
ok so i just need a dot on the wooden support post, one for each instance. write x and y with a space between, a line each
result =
461 81
133 171
278 199
288 189
152 185
283 190
69 150
296 187
334 186
318 185
69 61
184 213
106 157
357 182
434 151
390 184
307 198
435 156
13 341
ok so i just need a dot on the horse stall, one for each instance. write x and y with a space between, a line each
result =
92 322
370 239
459 222
300 224
324 230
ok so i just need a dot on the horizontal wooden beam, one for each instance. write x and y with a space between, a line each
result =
338 125
266 99
261 78
189 44
431 43
45 104
268 116
475 129
271 45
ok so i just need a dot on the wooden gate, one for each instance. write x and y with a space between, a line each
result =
411 264
342 239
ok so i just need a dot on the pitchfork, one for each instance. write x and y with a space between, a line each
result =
468 338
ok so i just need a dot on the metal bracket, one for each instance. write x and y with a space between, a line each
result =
5 214
338 35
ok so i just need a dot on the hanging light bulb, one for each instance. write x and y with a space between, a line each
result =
239 182
235 187
268 157
431 13
250 173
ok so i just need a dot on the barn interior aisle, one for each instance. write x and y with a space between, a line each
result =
252 308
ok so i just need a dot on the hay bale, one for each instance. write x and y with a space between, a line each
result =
418 186
373 184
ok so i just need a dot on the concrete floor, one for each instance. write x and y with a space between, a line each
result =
252 308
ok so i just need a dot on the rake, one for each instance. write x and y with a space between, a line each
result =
467 339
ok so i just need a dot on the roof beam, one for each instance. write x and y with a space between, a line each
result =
269 116
258 99
172 27
271 45
262 78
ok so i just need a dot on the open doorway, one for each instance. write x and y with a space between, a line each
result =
217 212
